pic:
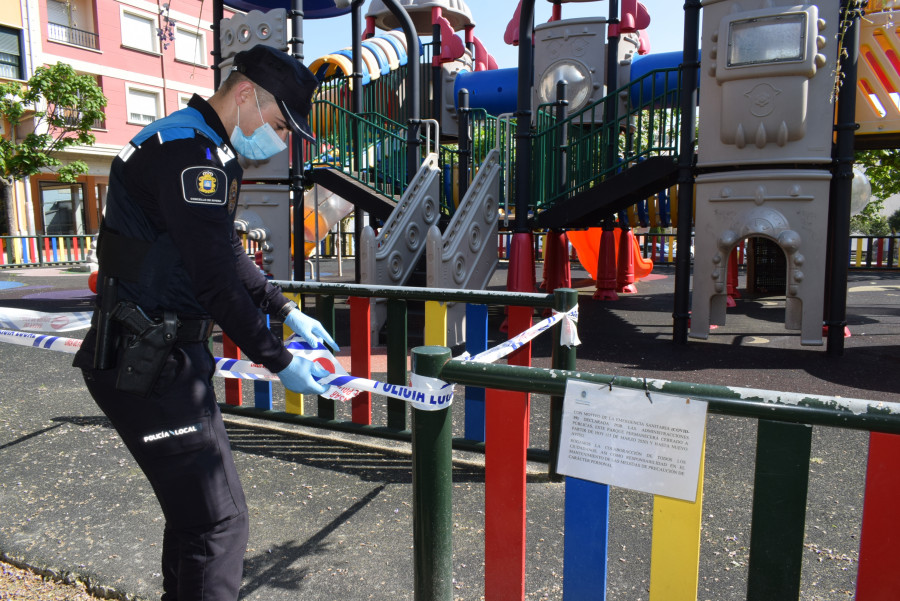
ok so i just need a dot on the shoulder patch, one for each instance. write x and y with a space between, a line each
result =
204 186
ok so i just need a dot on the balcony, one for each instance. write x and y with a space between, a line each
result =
72 117
70 35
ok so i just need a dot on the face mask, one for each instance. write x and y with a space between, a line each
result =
262 144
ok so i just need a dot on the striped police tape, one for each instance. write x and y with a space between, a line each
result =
26 320
424 393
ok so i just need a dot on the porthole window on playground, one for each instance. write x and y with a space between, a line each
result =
767 40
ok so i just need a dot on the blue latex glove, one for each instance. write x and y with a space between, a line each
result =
301 374
309 329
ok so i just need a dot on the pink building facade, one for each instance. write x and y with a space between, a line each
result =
149 58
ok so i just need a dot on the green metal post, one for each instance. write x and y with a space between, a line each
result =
325 313
563 358
397 337
779 510
432 488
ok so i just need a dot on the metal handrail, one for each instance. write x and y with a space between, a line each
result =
649 128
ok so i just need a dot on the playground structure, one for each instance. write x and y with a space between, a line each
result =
610 145
360 151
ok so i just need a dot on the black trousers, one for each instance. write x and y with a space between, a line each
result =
177 437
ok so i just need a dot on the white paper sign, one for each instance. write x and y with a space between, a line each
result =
623 438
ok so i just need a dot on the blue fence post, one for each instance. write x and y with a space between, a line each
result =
262 389
586 540
476 342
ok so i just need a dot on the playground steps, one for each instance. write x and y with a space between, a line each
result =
465 255
391 257
344 185
590 206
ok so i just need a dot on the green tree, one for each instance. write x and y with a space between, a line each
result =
882 167
59 107
894 221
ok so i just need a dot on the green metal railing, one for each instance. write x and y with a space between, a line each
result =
484 129
587 146
385 95
381 143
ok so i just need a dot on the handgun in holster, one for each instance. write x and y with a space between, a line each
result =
146 348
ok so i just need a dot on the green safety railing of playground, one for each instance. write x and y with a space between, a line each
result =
381 145
484 129
780 486
40 250
578 150
384 95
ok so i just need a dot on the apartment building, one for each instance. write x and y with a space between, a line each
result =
148 57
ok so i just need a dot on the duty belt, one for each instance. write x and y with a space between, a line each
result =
189 330
194 330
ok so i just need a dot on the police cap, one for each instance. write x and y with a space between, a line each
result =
286 78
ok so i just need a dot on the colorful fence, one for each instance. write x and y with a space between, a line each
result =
785 423
436 306
40 250
867 252
783 455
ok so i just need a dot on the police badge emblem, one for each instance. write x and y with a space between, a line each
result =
206 183
204 186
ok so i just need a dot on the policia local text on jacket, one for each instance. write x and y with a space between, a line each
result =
171 264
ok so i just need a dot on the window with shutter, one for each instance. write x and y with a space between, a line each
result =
139 32
11 66
190 47
143 106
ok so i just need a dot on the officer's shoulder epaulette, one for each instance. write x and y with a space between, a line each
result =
177 133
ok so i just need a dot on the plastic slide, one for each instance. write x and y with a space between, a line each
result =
332 208
587 245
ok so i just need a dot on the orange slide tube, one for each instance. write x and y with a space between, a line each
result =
587 245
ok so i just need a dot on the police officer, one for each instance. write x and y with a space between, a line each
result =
171 264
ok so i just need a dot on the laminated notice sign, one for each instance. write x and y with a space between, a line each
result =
645 441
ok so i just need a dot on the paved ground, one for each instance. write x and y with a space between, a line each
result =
331 517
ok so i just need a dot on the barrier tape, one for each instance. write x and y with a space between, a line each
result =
428 394
568 337
51 343
38 321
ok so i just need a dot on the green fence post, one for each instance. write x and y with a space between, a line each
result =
563 358
432 488
397 335
780 489
325 313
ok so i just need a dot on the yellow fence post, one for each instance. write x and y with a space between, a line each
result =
435 323
293 401
675 551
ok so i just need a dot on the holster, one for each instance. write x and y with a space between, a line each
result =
105 348
146 347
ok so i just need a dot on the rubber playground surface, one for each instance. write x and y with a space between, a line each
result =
331 516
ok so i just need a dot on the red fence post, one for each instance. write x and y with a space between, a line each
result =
507 419
232 386
361 356
877 577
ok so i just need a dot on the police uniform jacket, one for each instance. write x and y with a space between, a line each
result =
169 225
